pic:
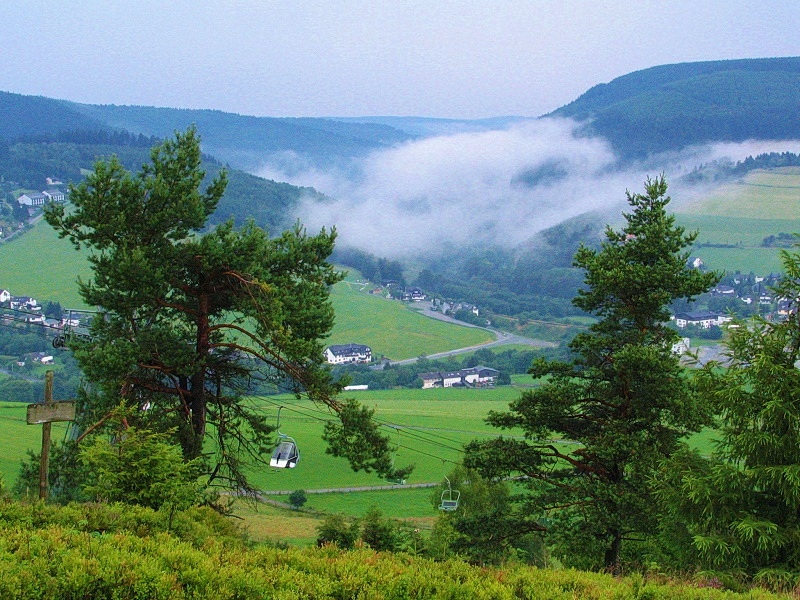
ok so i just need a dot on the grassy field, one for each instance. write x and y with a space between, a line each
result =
428 426
741 215
41 265
17 437
391 329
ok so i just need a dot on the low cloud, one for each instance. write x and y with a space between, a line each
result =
498 187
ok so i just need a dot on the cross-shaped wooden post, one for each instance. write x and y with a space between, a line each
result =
45 414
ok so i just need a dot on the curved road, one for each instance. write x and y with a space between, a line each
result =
501 338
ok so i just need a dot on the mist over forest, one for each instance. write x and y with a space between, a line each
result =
494 187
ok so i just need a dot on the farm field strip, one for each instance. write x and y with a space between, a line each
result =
740 215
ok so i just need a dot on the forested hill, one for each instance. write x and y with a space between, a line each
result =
245 141
242 141
673 106
27 163
35 115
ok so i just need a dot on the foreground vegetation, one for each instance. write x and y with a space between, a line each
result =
119 551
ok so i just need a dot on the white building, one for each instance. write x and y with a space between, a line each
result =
348 353
700 319
473 377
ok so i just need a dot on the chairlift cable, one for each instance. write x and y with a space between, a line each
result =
409 432
399 445
414 432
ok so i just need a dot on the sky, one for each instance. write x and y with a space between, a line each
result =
452 59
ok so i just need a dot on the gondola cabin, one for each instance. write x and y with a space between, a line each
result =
285 456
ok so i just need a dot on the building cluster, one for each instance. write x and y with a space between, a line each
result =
39 199
479 376
704 320
25 309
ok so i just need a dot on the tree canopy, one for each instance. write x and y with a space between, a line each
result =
596 427
189 320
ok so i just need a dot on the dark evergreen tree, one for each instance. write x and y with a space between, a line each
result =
738 512
597 426
187 321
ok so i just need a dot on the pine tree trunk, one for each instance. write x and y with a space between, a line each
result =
613 554
198 382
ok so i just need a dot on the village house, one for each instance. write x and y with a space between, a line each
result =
35 199
23 303
5 296
473 377
682 347
37 357
723 290
700 319
413 294
348 353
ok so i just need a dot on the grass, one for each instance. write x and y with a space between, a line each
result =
391 329
266 523
39 264
428 426
741 215
17 437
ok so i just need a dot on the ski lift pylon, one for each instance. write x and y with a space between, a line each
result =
70 329
286 454
450 498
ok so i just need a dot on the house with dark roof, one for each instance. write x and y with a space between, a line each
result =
41 198
700 319
348 353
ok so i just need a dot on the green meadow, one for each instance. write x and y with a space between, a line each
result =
17 437
429 428
39 264
736 217
391 329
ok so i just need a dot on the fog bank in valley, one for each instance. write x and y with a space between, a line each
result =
495 187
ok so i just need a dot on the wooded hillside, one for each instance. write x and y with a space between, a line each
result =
669 107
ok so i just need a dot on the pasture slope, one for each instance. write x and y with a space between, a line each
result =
41 265
734 219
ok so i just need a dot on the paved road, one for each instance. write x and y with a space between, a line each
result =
501 338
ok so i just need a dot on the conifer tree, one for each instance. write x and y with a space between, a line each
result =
189 319
596 427
738 511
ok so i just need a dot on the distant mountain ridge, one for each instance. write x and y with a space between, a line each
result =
654 110
244 142
669 107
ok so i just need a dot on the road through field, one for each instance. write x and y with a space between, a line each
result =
501 337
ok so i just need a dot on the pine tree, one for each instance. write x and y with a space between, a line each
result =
189 319
739 510
596 427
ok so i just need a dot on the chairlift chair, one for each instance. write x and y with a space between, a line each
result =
450 498
395 480
286 454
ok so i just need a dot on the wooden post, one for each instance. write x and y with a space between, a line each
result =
44 415
45 462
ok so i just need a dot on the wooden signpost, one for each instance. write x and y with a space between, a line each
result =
44 415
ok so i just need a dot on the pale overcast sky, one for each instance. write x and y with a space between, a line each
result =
435 58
